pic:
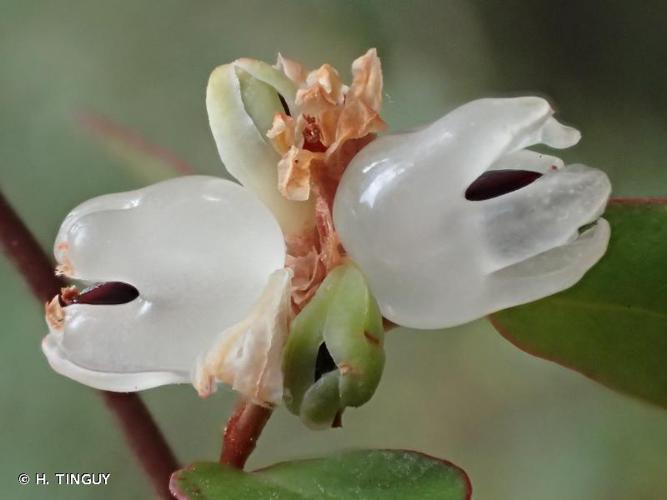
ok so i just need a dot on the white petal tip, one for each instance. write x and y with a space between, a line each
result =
559 136
106 381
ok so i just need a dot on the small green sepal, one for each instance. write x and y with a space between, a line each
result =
334 356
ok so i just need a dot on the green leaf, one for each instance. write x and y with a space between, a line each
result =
146 162
363 474
611 326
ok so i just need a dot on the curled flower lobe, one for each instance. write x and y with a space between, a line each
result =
241 100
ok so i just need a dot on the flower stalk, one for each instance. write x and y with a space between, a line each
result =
242 432
141 432
26 254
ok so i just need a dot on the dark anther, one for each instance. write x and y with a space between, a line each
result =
337 421
109 293
284 103
499 182
324 362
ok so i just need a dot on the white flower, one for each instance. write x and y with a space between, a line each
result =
201 291
199 250
205 255
436 259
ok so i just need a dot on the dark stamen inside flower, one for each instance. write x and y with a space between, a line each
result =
494 183
338 420
312 136
284 103
586 227
109 293
324 362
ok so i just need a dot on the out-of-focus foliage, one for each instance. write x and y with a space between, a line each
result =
516 424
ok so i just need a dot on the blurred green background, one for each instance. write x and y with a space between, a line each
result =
523 428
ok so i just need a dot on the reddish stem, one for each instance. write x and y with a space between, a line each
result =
141 431
144 437
106 128
26 254
242 431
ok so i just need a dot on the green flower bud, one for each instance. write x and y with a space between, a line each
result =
334 354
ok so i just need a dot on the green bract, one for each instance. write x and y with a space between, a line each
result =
334 355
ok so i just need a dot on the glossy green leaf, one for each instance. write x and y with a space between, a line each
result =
611 326
364 474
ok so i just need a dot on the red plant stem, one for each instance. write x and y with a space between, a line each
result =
136 422
242 432
26 254
144 437
106 128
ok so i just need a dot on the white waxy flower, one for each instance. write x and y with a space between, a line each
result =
436 259
203 260
195 287
199 250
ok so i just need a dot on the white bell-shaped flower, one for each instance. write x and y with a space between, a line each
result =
434 258
199 250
